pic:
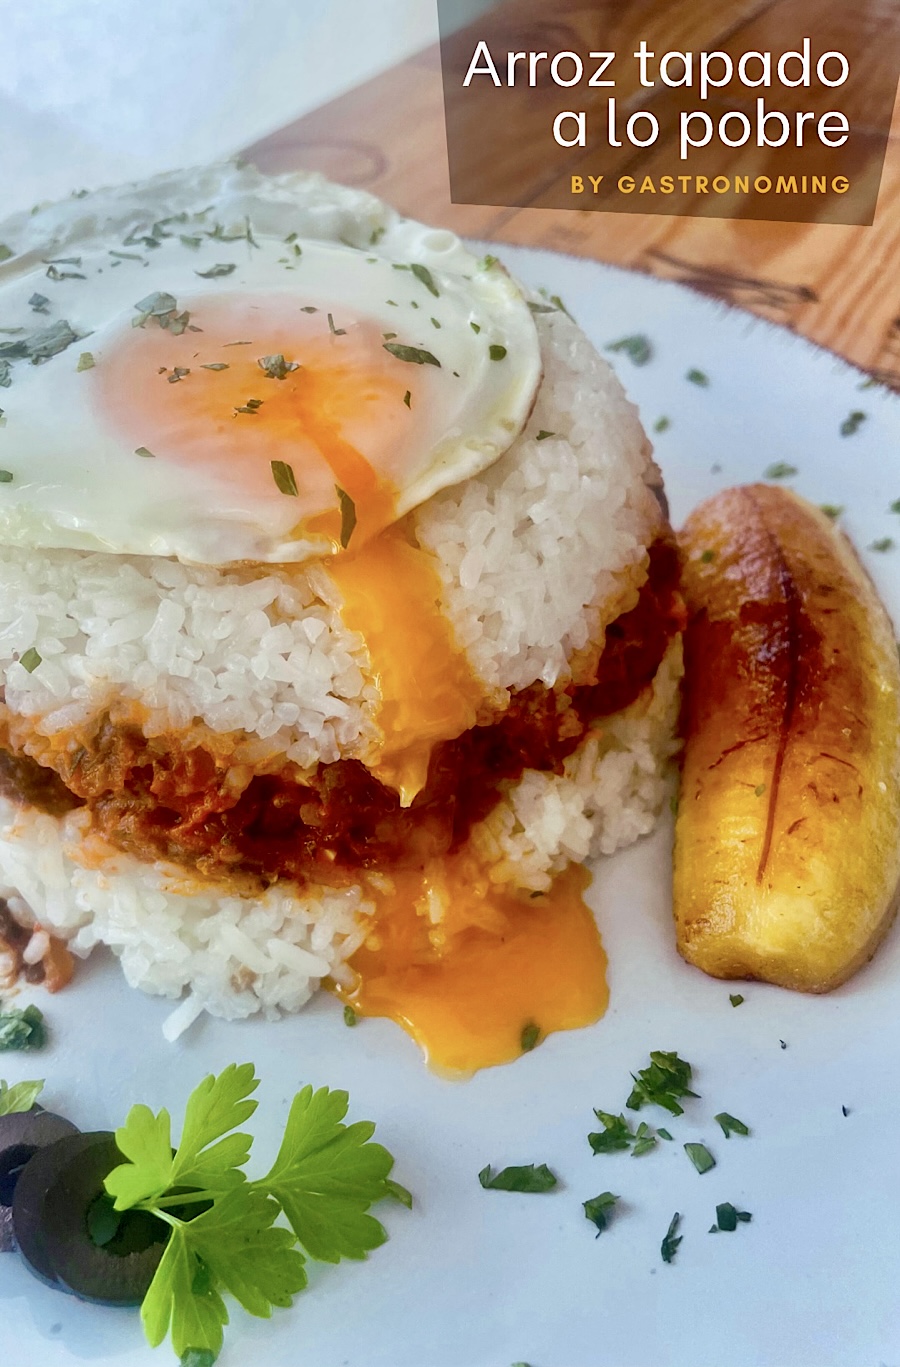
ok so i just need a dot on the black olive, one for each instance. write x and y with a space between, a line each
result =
21 1135
67 1232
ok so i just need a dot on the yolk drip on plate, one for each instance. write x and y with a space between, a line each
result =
429 693
464 965
477 987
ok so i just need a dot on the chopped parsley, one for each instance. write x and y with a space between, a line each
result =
701 1157
736 999
730 1124
30 660
54 273
424 274
375 236
407 398
644 1140
18 1098
164 308
348 514
415 355
637 348
6 477
662 424
539 308
598 1210
37 347
531 1037
22 1029
335 332
350 1016
215 365
707 557
697 377
662 1083
884 543
276 367
663 1134
544 434
435 323
309 308
526 1178
5 252
143 451
214 272
85 361
615 1135
178 373
39 303
757 792
283 475
834 510
323 1181
728 1217
476 327
251 406
669 1246
845 1111
852 423
780 470
497 352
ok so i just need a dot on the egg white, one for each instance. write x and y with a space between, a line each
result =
72 478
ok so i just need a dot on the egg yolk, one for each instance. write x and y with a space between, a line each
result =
498 972
263 381
428 691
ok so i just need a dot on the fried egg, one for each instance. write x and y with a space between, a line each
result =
221 372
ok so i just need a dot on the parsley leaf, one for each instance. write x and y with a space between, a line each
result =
216 1106
283 475
736 999
730 1125
22 1029
348 515
669 1246
780 470
327 1175
662 1083
416 355
214 272
616 1133
644 1140
728 1217
701 1157
21 1096
698 377
598 1210
423 274
638 348
31 659
852 423
527 1178
531 1037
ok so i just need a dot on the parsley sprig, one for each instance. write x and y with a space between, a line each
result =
323 1181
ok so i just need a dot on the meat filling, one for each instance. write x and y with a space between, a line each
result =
159 800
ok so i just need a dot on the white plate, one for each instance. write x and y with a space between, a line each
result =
472 1278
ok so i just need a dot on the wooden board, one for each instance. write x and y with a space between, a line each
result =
837 285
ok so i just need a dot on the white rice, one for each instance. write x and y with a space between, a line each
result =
536 556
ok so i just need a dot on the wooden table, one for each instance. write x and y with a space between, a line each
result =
837 285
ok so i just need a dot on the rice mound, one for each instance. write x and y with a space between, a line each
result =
536 557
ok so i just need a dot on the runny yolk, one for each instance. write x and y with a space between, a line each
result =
502 970
391 594
203 401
